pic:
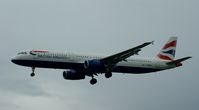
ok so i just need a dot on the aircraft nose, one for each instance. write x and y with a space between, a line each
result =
13 60
17 60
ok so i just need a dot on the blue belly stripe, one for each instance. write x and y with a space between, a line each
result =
80 66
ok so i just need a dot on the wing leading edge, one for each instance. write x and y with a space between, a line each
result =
114 59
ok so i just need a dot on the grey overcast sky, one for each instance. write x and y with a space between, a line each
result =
98 27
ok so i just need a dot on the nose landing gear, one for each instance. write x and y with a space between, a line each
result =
33 72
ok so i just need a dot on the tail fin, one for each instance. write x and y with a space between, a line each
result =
169 49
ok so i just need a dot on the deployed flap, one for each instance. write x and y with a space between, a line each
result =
113 59
178 60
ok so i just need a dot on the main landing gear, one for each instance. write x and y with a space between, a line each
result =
108 74
33 72
93 81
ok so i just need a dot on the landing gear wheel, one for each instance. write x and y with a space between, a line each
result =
93 81
32 74
108 75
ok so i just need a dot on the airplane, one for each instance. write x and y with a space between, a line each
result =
78 66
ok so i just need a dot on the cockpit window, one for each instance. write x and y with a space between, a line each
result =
32 53
20 53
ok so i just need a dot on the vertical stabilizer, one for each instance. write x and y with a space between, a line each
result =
169 49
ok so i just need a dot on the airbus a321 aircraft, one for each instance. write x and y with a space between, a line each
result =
78 66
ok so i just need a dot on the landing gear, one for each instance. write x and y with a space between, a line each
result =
108 74
33 72
93 81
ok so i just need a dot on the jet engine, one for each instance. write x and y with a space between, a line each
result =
73 75
95 66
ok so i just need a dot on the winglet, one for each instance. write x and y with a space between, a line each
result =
148 43
152 42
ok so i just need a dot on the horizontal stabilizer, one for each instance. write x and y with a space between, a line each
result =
178 61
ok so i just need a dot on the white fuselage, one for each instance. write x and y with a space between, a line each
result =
44 59
78 65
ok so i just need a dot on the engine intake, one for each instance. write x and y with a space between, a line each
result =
73 75
96 66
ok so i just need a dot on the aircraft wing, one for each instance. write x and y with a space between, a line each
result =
114 59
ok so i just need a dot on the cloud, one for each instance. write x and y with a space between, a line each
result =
20 86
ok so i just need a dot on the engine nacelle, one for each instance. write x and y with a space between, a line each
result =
73 75
96 66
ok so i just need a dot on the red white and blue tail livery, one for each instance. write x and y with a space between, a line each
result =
169 50
77 66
